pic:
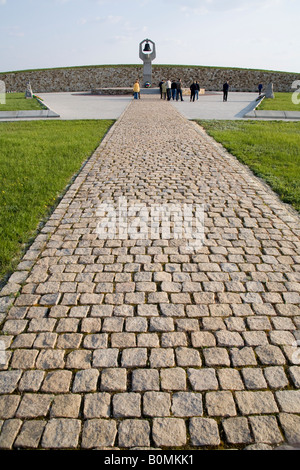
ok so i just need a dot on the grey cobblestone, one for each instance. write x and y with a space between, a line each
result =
237 431
134 433
291 427
204 432
127 405
187 404
147 379
8 406
203 379
85 381
265 429
289 401
276 377
173 379
66 406
256 403
31 381
157 404
254 379
128 343
230 379
9 381
220 404
9 431
169 432
98 433
34 406
30 434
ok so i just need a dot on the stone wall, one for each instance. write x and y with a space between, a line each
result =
86 78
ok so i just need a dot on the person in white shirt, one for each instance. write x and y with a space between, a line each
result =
169 85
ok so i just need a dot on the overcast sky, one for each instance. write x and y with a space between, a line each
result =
261 34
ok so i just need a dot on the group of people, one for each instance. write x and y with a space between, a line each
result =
172 90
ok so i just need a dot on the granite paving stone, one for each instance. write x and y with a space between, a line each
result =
204 432
98 433
61 434
134 433
157 404
237 431
169 432
30 434
66 406
141 340
8 406
266 429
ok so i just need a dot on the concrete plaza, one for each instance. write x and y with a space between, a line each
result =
87 106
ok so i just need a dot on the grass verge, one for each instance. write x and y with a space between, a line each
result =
282 102
270 149
37 161
18 102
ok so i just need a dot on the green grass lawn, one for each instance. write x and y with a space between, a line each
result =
18 102
37 161
282 102
270 149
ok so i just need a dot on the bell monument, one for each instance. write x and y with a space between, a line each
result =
147 55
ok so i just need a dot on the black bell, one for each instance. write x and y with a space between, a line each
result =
147 47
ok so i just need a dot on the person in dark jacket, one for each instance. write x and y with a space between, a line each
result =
160 87
193 88
179 90
225 91
174 89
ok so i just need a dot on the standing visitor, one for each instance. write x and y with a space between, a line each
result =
197 90
174 89
160 87
179 90
260 87
193 91
169 85
136 90
225 91
164 90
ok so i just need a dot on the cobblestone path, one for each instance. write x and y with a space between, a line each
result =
142 343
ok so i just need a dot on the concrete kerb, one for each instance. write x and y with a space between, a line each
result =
29 114
272 115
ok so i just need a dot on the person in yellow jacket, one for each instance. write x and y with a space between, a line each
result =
136 90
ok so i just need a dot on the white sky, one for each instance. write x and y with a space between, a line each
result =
260 34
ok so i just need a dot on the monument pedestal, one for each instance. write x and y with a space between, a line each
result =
147 58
